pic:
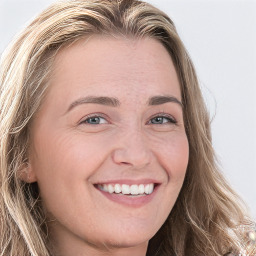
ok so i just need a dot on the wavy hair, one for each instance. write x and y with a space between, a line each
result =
207 218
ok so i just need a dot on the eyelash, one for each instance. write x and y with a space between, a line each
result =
159 115
170 118
96 115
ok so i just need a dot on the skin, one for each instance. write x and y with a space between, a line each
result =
69 155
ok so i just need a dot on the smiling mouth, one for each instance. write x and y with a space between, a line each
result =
127 190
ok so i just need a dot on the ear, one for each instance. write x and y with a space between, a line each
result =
26 173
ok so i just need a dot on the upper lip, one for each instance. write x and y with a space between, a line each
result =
129 181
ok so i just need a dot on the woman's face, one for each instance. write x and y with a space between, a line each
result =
108 147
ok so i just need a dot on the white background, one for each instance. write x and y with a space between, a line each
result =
221 39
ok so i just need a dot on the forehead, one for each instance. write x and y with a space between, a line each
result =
104 65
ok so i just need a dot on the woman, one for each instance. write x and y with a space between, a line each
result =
105 140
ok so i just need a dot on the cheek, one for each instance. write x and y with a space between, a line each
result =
63 166
176 162
59 153
173 154
65 162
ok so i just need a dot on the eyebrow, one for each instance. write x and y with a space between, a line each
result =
113 102
159 100
107 101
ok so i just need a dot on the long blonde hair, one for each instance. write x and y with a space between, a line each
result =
206 219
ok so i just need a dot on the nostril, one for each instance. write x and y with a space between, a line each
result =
126 163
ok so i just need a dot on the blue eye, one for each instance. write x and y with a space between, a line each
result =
162 120
94 120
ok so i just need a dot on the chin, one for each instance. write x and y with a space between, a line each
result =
122 244
130 231
128 239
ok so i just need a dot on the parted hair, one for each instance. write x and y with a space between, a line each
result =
208 217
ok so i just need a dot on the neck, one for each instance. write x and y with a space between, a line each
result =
139 250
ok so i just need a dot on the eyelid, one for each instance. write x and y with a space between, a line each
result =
101 115
163 114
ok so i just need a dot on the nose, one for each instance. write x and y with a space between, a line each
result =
132 150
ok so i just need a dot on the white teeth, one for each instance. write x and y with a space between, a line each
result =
118 189
149 189
134 189
105 188
128 190
125 189
141 189
111 189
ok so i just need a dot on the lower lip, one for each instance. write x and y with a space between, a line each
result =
133 201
